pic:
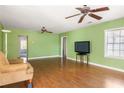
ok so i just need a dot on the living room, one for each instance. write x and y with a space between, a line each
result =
46 41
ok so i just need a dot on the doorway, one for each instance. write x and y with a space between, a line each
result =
64 47
23 47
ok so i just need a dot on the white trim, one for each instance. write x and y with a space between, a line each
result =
75 59
106 55
43 57
99 65
6 40
6 51
112 57
5 31
113 29
108 67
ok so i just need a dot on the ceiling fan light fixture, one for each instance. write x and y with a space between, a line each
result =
43 29
89 22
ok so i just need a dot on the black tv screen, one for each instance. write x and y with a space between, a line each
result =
82 47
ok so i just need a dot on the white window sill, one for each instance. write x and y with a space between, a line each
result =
113 57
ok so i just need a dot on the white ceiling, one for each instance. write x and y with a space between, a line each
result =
52 17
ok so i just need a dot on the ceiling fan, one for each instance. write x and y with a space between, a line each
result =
43 29
90 12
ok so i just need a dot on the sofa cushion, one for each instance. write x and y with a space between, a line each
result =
30 69
13 67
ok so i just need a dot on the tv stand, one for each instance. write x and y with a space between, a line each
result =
82 57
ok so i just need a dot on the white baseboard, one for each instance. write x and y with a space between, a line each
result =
75 59
108 67
103 66
33 58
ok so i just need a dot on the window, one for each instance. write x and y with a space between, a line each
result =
114 43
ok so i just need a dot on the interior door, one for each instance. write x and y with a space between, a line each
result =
23 48
64 51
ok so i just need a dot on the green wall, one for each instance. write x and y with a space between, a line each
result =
49 44
95 34
0 41
0 37
38 44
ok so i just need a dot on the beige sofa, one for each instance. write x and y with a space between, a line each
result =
13 71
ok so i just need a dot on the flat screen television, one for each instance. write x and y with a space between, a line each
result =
82 47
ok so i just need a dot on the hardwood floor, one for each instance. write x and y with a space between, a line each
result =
54 73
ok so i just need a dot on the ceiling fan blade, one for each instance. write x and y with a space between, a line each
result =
80 9
73 15
99 9
81 19
95 16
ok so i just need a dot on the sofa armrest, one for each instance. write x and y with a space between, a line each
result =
16 61
13 67
29 69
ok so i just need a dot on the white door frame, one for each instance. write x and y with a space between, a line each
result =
25 59
62 45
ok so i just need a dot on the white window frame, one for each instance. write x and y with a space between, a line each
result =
105 44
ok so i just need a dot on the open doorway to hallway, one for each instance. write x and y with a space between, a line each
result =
23 47
64 47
